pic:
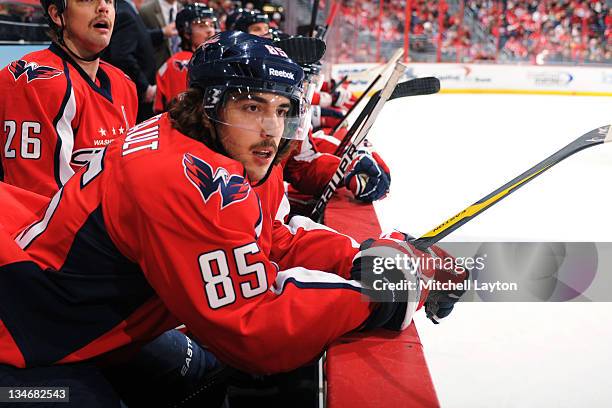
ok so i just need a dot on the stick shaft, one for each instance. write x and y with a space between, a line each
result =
593 138
313 17
394 58
364 127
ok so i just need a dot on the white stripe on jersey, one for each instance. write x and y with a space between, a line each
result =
321 135
309 225
26 236
283 209
66 135
307 152
304 275
162 70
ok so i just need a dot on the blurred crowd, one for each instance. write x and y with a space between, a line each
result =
561 30
23 20
538 31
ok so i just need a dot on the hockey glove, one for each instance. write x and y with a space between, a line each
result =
440 303
391 272
368 178
325 117
343 98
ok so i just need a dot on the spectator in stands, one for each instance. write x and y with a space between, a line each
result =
8 30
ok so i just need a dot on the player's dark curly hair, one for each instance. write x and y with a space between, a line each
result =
187 116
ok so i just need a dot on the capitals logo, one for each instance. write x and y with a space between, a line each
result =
181 65
32 70
232 187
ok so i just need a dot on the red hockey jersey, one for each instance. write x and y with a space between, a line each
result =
308 169
54 118
158 231
171 79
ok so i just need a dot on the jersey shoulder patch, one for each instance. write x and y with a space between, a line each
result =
232 188
181 65
32 70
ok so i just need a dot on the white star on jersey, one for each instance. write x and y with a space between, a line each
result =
102 132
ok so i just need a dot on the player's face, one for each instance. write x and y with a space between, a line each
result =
260 30
88 25
251 130
201 31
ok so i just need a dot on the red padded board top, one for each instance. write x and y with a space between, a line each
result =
379 368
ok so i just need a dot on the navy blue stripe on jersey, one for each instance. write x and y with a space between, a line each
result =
105 84
96 289
60 114
321 285
312 279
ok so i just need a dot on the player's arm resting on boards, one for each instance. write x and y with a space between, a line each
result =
209 271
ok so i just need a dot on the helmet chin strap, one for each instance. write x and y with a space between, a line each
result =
218 146
60 39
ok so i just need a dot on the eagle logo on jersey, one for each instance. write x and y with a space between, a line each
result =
181 65
232 187
32 70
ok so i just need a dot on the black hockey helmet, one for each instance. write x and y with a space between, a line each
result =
233 62
248 18
195 12
278 35
60 4
230 20
61 7
59 30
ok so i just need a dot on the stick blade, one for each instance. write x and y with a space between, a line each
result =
303 50
417 86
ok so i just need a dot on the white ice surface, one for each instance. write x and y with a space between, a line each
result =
446 152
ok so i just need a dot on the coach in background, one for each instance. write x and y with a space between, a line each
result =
161 15
131 49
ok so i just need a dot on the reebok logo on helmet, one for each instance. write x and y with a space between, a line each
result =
281 73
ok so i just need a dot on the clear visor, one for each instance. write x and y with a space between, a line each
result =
204 23
318 80
310 87
258 111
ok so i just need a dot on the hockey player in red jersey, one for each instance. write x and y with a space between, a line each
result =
195 23
313 164
183 221
61 105
253 22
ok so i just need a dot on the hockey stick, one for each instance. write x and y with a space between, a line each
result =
413 87
337 84
375 105
313 18
303 50
322 31
593 138
394 59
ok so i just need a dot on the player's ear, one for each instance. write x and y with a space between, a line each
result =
54 15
